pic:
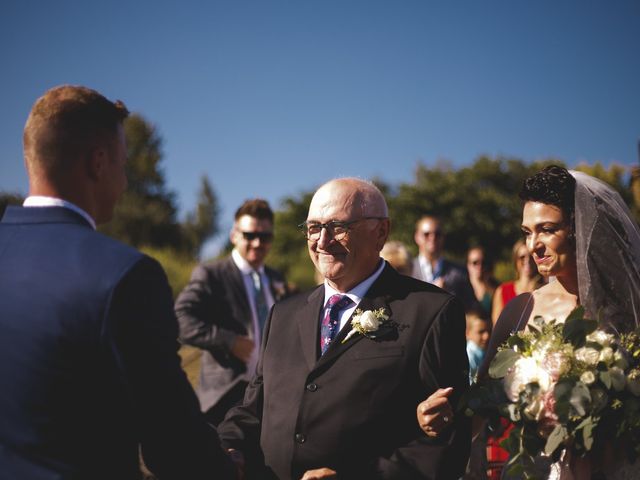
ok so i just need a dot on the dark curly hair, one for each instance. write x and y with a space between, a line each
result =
552 185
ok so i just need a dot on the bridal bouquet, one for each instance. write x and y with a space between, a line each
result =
568 386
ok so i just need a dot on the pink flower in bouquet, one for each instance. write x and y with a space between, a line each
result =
556 364
548 418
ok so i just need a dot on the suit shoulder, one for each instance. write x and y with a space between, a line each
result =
298 299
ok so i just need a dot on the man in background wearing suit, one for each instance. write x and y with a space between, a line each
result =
223 309
430 265
326 403
88 338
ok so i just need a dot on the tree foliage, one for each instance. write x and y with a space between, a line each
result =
146 215
9 199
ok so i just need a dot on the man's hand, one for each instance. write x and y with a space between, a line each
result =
242 348
319 473
435 413
238 460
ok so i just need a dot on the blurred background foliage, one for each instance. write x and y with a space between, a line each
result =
478 204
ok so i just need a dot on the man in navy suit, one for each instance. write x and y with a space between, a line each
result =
88 352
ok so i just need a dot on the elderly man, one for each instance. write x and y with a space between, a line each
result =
88 359
343 367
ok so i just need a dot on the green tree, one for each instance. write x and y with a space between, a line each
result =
478 204
201 224
146 215
289 250
9 199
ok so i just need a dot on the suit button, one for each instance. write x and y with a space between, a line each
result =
300 438
312 387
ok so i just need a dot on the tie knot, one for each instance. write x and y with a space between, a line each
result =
338 302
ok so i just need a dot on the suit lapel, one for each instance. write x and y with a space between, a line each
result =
307 318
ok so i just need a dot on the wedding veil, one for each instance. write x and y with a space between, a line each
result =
607 254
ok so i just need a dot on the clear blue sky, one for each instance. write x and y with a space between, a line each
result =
271 98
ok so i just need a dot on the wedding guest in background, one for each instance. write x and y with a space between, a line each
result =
88 352
478 333
327 405
432 267
398 256
527 280
480 270
224 307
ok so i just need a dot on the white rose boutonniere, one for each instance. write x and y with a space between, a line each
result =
367 323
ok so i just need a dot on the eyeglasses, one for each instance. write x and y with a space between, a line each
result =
263 236
338 230
436 233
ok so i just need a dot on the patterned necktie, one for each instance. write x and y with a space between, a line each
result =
331 321
260 300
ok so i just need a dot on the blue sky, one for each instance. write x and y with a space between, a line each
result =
271 98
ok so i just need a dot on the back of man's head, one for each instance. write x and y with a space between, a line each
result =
64 125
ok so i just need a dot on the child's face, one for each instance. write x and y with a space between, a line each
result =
478 332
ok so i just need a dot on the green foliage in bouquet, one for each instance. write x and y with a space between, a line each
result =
565 386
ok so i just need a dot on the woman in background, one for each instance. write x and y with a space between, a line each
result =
527 280
480 270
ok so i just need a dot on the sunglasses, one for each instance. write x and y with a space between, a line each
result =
263 236
436 233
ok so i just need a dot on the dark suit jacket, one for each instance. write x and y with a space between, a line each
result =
354 408
88 359
454 280
212 310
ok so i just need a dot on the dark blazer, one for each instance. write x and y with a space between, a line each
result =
212 310
454 280
88 359
354 408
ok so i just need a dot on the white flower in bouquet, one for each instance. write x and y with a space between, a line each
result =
587 377
606 355
599 336
556 364
588 355
633 382
525 371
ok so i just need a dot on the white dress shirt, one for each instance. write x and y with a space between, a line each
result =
42 201
355 294
246 271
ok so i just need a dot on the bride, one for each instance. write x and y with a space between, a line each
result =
582 237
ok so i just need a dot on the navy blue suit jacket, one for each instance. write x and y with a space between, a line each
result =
88 359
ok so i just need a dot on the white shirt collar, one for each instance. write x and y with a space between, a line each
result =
243 265
430 273
357 292
43 201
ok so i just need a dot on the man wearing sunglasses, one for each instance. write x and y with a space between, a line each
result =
223 309
431 266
